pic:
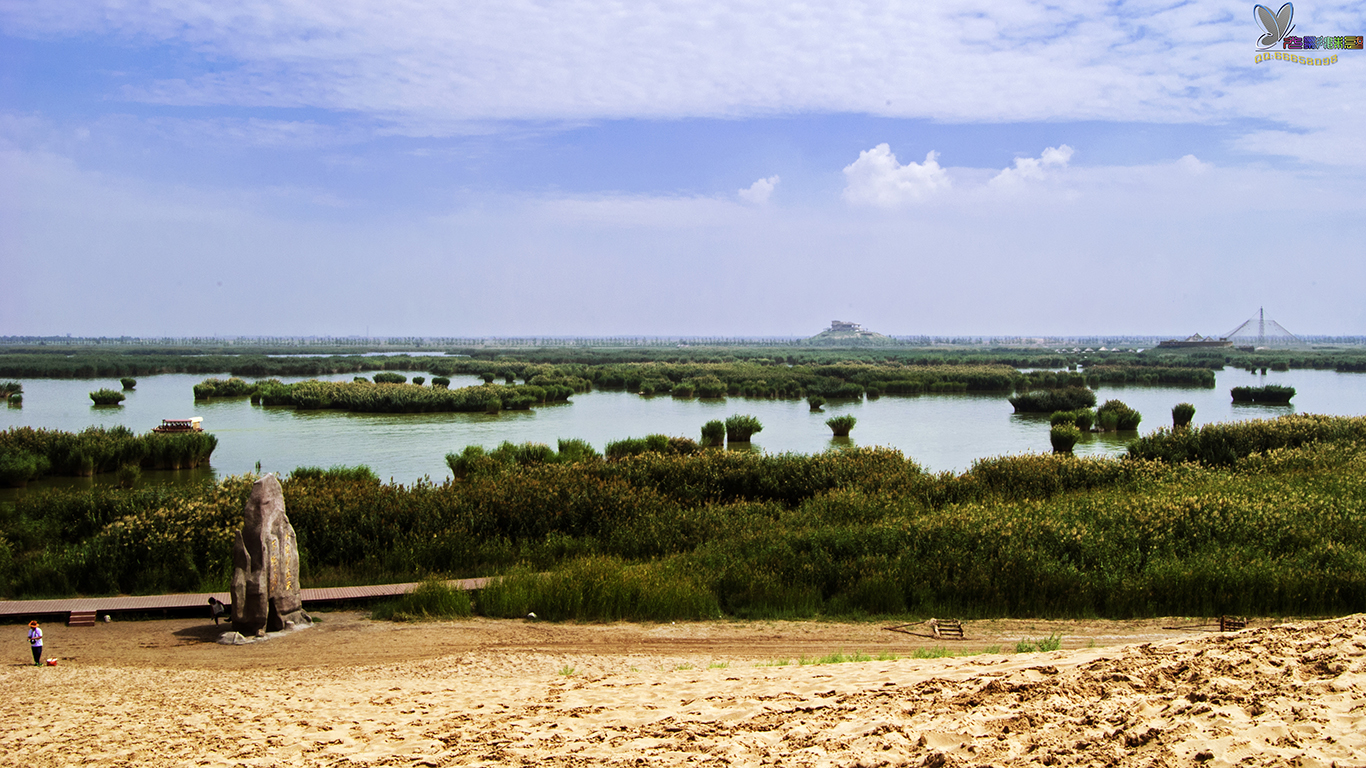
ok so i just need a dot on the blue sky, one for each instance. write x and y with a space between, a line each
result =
181 167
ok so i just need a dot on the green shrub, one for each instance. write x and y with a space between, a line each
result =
841 425
1182 413
106 396
128 383
389 377
441 381
10 388
815 401
714 433
419 380
1063 437
739 428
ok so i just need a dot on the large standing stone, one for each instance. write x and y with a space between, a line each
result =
265 565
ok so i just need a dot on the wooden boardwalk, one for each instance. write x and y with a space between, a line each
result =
101 605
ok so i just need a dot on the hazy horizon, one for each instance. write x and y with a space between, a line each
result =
298 168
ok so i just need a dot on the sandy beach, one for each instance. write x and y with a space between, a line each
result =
351 691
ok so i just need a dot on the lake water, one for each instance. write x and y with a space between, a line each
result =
941 432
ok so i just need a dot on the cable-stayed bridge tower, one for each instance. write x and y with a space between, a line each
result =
1262 331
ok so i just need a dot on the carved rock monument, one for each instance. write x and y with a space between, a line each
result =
265 565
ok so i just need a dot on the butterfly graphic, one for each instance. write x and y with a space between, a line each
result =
1277 25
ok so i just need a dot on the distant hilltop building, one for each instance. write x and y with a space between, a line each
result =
847 334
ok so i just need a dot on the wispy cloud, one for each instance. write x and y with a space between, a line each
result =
1034 168
758 192
425 65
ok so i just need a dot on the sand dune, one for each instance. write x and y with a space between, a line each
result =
354 692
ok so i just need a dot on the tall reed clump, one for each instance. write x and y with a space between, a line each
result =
1221 445
841 425
1271 394
474 460
32 453
815 401
408 398
1182 413
602 588
107 396
1063 437
740 427
1082 418
714 433
18 467
419 380
635 446
233 387
432 599
1051 400
9 389
338 472
441 382
128 383
572 450
389 377
1114 415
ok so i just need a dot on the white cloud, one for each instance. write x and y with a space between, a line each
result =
1034 168
877 179
432 67
759 191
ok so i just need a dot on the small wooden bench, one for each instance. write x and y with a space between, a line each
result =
81 619
1232 623
938 628
951 628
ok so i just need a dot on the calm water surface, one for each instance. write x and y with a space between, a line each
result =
941 432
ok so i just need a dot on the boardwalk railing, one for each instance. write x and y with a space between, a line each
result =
81 606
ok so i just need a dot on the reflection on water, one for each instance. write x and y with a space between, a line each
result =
940 432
